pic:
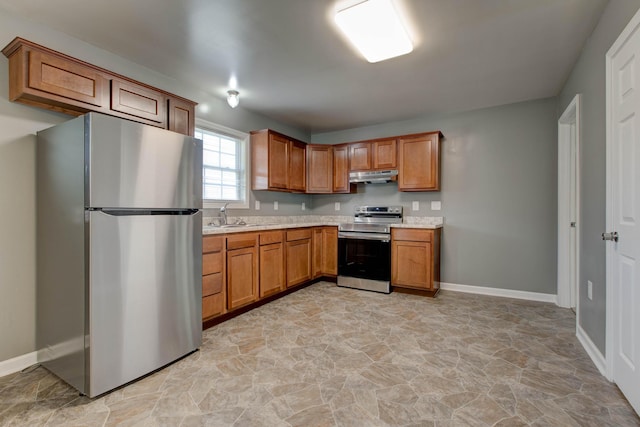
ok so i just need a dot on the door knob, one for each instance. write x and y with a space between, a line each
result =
613 236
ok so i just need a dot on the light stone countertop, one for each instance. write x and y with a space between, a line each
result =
424 226
266 223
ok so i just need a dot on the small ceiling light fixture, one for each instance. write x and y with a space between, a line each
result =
375 29
233 98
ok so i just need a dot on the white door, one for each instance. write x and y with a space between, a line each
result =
568 203
623 212
573 216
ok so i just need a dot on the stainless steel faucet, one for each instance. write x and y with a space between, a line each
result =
223 214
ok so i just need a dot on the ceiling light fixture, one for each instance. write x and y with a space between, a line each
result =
375 29
233 98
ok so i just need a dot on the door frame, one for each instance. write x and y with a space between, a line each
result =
612 304
568 133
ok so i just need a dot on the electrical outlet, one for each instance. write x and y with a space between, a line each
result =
590 289
275 206
415 205
303 206
257 205
436 205
336 206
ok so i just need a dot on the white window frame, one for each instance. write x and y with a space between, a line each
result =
244 148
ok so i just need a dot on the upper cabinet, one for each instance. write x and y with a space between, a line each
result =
360 156
384 154
419 162
277 162
297 166
48 79
341 170
281 163
319 169
328 169
372 155
182 116
138 103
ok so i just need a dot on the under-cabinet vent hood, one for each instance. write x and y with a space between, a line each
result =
373 177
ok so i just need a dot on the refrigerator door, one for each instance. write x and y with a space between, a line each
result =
130 165
144 294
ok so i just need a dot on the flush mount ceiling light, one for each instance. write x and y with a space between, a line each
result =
375 29
233 98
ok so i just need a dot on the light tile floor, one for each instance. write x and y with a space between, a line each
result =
327 356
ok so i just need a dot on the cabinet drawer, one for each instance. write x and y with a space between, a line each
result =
211 284
412 234
270 237
242 241
304 233
212 263
212 244
213 305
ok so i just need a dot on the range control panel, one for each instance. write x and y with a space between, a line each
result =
378 209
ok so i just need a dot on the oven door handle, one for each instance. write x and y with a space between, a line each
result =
364 236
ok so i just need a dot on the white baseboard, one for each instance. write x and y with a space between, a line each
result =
497 292
18 363
591 349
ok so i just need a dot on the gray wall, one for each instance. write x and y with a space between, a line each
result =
19 124
588 78
498 193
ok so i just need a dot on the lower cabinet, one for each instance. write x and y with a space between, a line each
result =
415 259
325 251
214 295
316 262
271 263
242 270
298 255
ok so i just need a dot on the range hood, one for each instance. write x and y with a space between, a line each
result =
373 177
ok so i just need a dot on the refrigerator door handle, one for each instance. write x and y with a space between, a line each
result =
145 212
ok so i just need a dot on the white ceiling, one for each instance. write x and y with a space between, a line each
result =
293 66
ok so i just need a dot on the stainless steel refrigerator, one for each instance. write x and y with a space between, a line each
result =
119 250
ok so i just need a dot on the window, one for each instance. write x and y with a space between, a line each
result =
224 166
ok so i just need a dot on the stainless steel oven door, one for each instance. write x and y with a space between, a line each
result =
364 261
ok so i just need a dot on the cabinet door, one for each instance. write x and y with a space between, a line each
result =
341 169
317 252
242 277
139 103
411 264
278 162
182 116
319 169
79 85
298 258
330 251
419 163
360 156
297 166
271 269
384 154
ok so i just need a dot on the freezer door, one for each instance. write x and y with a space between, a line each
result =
145 294
130 165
